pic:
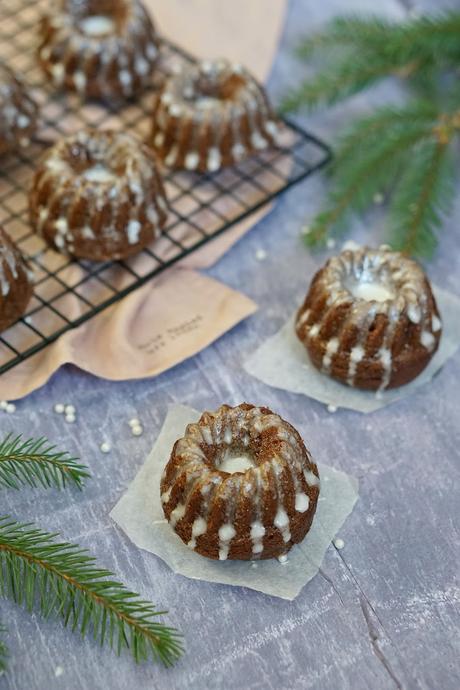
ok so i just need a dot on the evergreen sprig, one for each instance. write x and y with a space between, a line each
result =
3 652
404 153
62 579
37 463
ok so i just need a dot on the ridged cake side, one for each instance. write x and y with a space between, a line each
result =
98 195
259 513
367 342
211 115
101 49
18 112
15 282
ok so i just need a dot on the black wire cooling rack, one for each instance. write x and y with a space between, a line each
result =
68 292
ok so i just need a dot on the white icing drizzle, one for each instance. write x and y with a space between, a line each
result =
101 185
124 51
193 94
18 112
369 283
228 430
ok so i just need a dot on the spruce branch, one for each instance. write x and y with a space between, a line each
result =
3 652
37 463
404 152
62 579
424 196
368 162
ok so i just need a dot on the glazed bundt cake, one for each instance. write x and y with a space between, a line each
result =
240 484
18 112
100 48
209 115
15 282
98 195
370 319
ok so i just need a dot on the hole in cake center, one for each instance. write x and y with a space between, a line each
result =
99 173
97 25
236 462
371 291
207 102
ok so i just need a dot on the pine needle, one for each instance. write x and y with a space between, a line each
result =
3 652
37 463
423 198
62 579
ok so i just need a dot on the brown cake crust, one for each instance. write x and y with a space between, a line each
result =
260 513
98 195
18 112
15 282
210 115
369 343
99 48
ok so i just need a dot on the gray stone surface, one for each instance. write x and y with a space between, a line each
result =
383 612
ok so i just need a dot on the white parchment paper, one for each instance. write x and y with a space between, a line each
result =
283 362
140 515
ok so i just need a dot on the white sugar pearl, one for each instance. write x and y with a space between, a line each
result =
331 408
70 418
330 244
69 409
10 408
261 255
106 447
306 230
134 422
59 408
3 404
339 543
58 671
137 430
283 559
378 198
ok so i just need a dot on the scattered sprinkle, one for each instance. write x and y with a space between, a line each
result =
137 430
306 230
283 559
69 409
134 422
330 244
253 564
10 408
3 404
339 543
70 418
378 198
331 409
106 447
59 408
58 671
261 255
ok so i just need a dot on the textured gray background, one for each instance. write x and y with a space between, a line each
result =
383 613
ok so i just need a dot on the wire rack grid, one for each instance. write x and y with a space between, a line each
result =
69 292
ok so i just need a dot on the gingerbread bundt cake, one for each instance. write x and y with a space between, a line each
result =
209 115
370 319
98 195
15 282
18 112
240 484
100 48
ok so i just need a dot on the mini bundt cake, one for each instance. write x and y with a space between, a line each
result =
370 319
98 195
18 112
209 115
240 484
15 282
99 48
